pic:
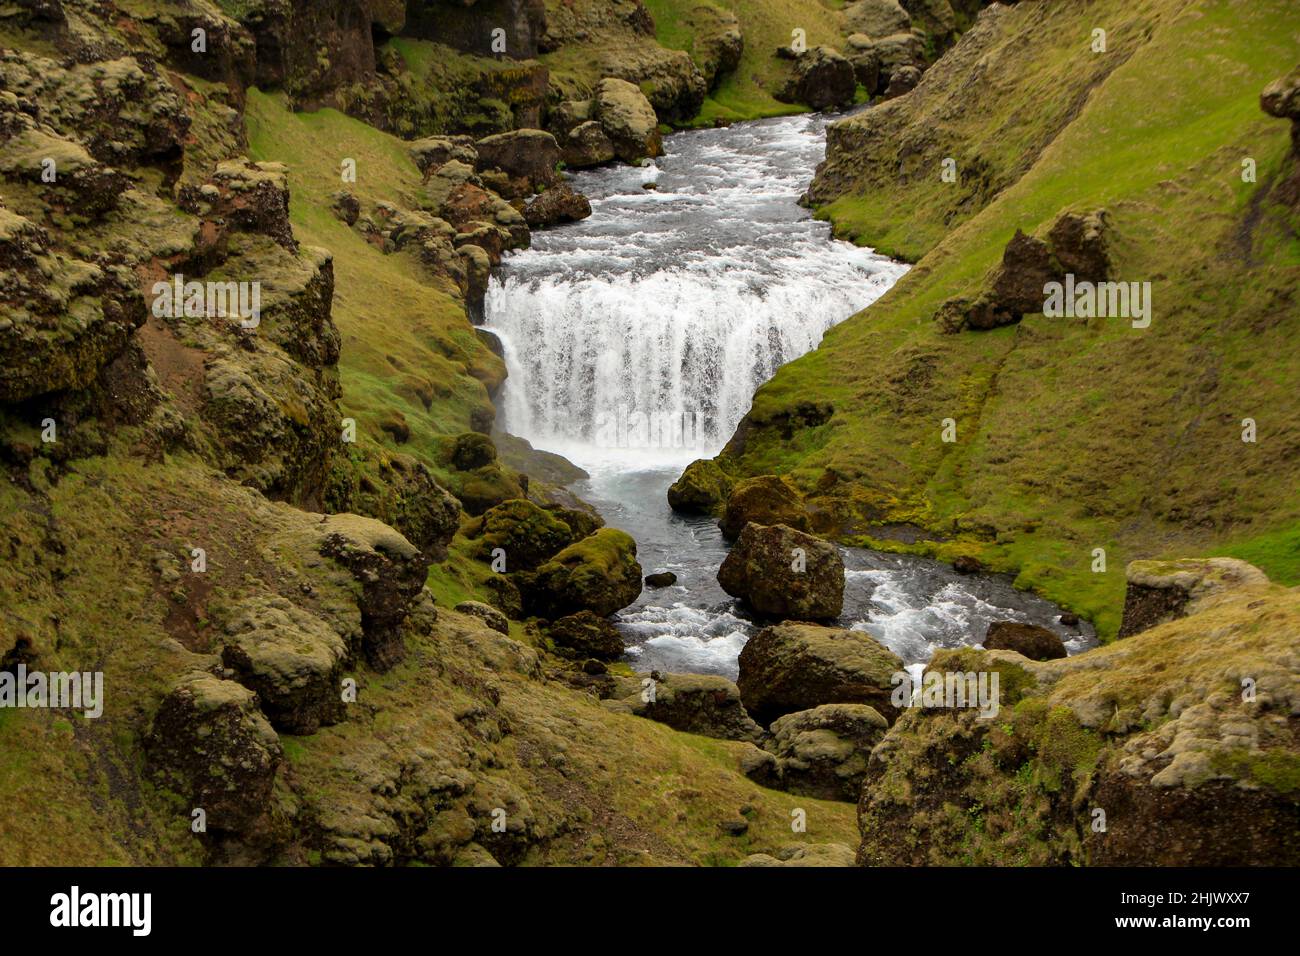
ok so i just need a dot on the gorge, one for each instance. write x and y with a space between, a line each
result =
628 398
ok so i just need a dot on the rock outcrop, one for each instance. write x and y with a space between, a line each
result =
1172 746
823 752
1075 246
822 78
1160 591
210 744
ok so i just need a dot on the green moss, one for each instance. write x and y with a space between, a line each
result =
1278 770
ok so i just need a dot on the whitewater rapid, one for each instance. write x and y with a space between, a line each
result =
635 340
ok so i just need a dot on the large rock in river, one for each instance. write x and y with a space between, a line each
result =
528 157
793 667
766 499
701 489
784 573
628 120
1036 643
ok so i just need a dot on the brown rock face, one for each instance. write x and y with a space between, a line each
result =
793 667
1036 643
784 573
1075 245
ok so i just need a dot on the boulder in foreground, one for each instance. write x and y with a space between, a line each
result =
793 667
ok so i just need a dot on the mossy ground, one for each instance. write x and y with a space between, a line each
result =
408 347
1075 435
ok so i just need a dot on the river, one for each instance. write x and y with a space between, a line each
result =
635 340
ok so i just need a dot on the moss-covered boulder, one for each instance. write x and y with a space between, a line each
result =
210 744
784 573
431 152
1034 642
765 499
822 78
598 574
877 18
823 752
793 667
587 144
628 120
696 703
702 488
586 635
522 533
293 660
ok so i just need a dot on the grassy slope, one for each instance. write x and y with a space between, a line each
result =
1073 437
766 25
404 332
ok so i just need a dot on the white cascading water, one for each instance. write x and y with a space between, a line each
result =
635 340
648 327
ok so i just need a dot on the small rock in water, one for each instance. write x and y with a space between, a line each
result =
650 185
1036 643
660 579
967 565
1069 620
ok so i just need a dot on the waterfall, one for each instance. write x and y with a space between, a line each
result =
651 324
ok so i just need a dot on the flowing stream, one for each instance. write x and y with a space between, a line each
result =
635 340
